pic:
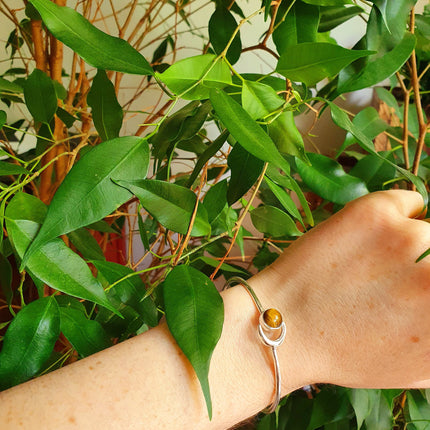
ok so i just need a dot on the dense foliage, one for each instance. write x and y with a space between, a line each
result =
216 164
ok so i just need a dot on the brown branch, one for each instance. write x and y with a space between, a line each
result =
85 116
39 48
128 19
416 89
193 216
405 134
262 47
73 88
272 22
239 222
56 69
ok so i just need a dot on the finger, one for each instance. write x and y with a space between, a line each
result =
407 203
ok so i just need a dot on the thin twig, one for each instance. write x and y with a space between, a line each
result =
416 88
240 220
193 216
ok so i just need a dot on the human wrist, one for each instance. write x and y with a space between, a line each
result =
280 291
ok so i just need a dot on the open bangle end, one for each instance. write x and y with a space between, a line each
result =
271 332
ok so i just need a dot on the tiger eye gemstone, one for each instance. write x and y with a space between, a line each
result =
272 318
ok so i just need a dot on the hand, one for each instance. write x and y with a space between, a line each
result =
355 300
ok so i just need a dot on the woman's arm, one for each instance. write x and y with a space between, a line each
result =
356 307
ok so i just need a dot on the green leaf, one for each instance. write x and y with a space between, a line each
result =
285 199
225 221
170 204
130 291
312 62
66 117
264 257
330 405
9 87
268 422
207 155
171 128
381 416
215 200
3 119
183 77
388 99
328 2
370 124
221 28
374 170
29 341
86 244
234 7
261 100
195 315
101 226
423 25
363 401
97 48
333 16
7 168
194 122
179 127
341 119
423 255
106 111
289 183
53 263
378 70
224 267
395 15
160 52
419 410
300 25
297 411
246 131
120 328
392 49
274 222
245 170
147 230
87 193
6 278
86 336
60 91
40 96
326 178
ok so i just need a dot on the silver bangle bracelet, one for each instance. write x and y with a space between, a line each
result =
270 325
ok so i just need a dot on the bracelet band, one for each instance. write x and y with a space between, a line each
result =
271 331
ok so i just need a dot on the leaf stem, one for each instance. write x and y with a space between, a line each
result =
241 23
139 272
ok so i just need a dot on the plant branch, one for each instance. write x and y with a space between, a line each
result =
262 47
38 43
193 217
272 21
240 221
405 132
417 97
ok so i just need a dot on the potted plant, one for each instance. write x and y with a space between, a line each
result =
217 153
